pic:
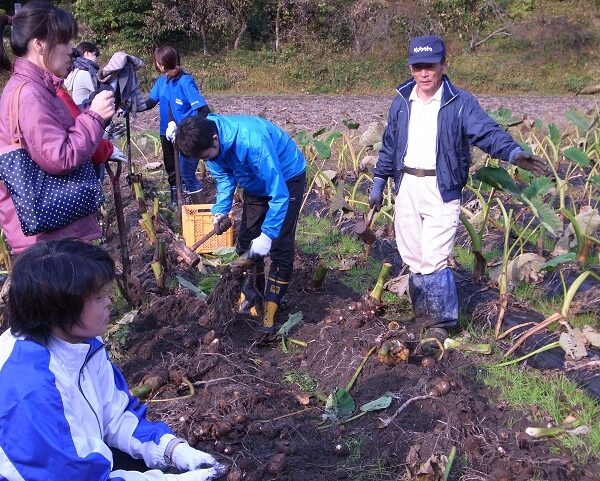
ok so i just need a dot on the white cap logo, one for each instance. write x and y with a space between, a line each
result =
422 49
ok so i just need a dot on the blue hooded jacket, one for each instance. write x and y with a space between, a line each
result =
260 157
461 123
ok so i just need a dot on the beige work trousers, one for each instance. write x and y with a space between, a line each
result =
425 225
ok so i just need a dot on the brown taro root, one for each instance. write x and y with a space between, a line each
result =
276 465
392 352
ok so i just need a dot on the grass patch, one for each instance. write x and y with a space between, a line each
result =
555 396
549 305
303 380
319 236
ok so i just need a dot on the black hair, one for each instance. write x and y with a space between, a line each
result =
195 135
84 47
50 283
39 20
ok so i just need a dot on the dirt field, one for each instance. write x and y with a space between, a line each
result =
316 111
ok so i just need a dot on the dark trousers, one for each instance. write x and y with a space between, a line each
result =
169 159
282 250
169 151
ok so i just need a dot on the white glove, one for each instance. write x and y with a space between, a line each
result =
216 223
117 155
171 131
196 475
260 246
186 458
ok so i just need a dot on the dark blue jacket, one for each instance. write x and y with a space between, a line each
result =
461 123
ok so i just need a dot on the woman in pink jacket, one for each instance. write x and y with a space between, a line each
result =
40 40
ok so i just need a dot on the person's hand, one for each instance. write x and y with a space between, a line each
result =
260 247
186 458
198 474
533 163
104 104
217 219
117 155
376 195
171 132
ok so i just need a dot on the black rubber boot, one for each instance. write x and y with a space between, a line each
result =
277 286
251 298
173 190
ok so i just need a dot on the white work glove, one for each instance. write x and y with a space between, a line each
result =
117 155
196 475
260 247
186 458
171 132
216 223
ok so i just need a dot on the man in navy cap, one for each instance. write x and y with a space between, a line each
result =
426 149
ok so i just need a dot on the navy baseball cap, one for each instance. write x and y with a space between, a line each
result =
429 49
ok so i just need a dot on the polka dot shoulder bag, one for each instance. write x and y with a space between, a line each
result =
45 202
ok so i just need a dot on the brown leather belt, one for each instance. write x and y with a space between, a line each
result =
419 172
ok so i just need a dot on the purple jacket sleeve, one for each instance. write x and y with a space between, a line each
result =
54 147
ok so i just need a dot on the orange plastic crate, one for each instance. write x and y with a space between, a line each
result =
197 222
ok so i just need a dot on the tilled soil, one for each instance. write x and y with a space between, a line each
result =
259 408
315 111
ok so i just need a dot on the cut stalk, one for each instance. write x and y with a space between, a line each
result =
450 462
360 368
319 276
383 275
158 274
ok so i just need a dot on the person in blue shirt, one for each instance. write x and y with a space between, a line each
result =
179 98
267 164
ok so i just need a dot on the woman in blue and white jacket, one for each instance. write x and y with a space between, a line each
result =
64 407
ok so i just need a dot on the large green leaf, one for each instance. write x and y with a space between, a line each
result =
547 216
595 180
554 134
323 150
188 285
302 138
332 136
319 132
293 320
378 404
505 117
580 120
498 178
339 405
578 156
558 260
539 186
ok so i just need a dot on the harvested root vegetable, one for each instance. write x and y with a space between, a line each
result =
442 386
219 447
285 446
427 362
235 474
341 449
392 352
209 337
276 465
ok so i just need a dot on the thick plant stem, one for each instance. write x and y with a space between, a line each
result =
360 368
547 347
554 317
383 275
319 276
